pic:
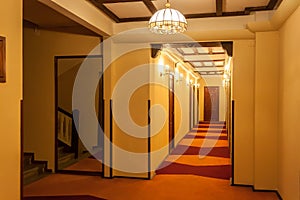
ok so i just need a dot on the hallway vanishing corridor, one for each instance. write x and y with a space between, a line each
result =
203 151
188 177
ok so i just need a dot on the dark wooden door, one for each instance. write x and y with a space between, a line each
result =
211 103
171 112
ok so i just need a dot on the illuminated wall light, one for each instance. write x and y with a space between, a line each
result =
167 69
181 77
187 80
197 85
164 70
226 76
178 76
161 66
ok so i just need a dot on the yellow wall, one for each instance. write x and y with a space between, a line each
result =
155 88
40 47
266 110
159 94
10 97
289 107
137 105
243 95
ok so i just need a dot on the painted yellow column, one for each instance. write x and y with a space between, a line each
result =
266 110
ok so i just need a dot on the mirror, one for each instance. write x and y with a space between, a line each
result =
72 155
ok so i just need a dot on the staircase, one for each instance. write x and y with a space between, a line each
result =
65 157
33 170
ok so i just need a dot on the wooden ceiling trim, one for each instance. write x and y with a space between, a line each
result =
248 10
134 19
219 7
199 67
109 13
273 4
150 6
117 1
220 72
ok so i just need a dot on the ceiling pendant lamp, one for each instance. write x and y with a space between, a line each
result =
167 21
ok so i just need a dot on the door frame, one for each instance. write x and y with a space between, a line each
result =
171 112
63 171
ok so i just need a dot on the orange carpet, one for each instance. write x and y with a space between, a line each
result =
86 164
175 186
161 187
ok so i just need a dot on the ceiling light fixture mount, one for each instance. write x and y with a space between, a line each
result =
167 21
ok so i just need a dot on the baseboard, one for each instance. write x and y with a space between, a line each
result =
256 190
130 177
81 173
275 191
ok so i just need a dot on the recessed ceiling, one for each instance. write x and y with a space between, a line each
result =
141 10
207 58
189 6
138 9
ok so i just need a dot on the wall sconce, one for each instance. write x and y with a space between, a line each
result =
225 83
178 76
165 70
187 81
197 85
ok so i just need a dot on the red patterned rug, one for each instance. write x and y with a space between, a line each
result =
202 132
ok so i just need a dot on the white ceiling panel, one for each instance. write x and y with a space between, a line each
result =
240 5
219 63
189 6
192 58
197 64
187 50
207 69
129 9
217 49
208 64
203 50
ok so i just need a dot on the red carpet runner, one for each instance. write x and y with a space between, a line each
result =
203 151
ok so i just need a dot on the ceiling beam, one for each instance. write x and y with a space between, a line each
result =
134 19
100 6
117 1
211 73
273 3
150 6
219 7
201 68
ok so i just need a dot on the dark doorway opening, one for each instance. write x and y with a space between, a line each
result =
211 103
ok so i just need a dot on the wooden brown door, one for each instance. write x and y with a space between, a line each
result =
211 103
171 112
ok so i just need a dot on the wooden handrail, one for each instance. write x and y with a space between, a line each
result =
65 112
